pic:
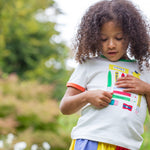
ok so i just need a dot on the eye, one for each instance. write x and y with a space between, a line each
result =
119 39
103 40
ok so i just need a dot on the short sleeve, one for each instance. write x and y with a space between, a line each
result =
78 78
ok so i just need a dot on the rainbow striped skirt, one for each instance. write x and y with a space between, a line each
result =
83 144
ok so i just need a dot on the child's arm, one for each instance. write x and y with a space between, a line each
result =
135 85
74 99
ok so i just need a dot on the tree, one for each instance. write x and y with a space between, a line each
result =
27 45
25 41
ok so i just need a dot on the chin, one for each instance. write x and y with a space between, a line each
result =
113 59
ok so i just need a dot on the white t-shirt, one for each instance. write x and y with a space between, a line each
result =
121 122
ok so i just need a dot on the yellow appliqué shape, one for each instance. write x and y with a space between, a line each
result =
118 68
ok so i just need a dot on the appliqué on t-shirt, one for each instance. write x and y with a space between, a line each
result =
124 100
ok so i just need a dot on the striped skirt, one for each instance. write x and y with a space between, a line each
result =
82 144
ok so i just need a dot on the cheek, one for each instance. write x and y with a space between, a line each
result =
103 46
125 45
124 48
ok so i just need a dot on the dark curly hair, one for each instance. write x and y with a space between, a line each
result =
87 42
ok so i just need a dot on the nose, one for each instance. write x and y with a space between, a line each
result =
111 44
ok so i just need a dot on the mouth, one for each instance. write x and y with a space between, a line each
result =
112 53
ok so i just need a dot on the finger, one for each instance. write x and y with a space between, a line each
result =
122 80
108 94
128 75
125 82
104 103
131 90
106 99
101 104
125 85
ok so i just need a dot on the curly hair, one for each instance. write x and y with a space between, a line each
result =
87 42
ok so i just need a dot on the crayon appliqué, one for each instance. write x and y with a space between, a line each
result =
114 102
109 81
122 75
116 76
137 75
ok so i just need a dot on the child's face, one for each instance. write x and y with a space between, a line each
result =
114 44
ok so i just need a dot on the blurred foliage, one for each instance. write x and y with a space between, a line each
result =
28 111
146 135
24 40
33 74
28 42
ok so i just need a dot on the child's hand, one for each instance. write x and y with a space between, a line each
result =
99 98
132 84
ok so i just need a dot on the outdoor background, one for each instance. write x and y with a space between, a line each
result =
35 64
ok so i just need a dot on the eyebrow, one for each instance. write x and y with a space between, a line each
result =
102 34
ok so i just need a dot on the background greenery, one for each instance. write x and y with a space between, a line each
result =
28 111
27 42
33 75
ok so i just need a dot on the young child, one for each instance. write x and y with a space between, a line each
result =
111 90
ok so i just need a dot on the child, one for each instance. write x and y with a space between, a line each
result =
108 86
